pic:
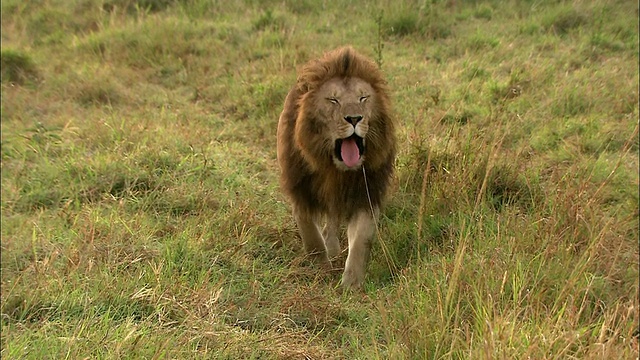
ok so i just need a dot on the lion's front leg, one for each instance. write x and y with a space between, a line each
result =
330 234
311 237
360 232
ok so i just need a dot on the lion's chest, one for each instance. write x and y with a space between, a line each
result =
337 192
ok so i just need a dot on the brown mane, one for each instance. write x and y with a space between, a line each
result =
343 62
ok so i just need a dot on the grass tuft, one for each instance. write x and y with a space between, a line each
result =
267 20
98 94
403 24
17 67
564 19
429 21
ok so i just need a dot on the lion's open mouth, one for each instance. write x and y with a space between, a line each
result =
349 150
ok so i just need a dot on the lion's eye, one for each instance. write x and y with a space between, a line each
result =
333 100
363 98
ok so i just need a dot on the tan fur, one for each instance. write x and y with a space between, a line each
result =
341 95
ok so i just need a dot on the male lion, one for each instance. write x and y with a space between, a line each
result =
336 149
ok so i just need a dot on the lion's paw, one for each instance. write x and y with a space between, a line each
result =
352 280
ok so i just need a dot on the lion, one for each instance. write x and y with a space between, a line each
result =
336 150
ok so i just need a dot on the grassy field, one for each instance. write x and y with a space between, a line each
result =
141 214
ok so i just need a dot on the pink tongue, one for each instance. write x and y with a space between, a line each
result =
350 153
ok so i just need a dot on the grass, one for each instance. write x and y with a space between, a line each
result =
141 214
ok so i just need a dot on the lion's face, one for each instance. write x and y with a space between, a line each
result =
346 106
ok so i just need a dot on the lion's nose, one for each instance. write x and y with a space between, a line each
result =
353 119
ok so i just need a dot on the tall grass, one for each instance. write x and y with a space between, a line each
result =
141 214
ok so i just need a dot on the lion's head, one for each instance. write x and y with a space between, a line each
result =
343 116
336 119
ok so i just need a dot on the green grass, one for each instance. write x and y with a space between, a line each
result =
141 214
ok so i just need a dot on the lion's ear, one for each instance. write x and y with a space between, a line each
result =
302 85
